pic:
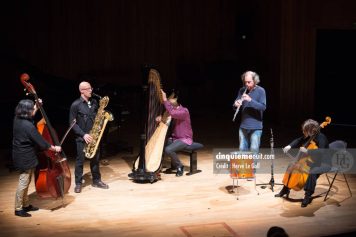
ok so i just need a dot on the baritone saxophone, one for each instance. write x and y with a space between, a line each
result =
101 119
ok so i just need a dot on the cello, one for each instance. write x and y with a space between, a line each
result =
297 173
52 175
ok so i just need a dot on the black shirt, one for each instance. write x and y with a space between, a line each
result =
84 113
320 140
316 155
25 144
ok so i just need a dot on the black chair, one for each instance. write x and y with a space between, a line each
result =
336 146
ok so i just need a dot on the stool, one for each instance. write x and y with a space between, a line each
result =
191 151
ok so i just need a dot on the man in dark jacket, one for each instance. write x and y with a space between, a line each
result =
84 110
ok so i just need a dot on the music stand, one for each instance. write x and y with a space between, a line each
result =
271 182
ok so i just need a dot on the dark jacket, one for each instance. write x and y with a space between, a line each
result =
84 116
316 155
320 140
252 112
27 141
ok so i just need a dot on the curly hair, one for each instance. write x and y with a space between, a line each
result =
310 126
255 77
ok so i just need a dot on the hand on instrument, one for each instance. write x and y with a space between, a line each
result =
164 95
303 149
238 103
56 148
246 97
87 138
40 101
158 118
35 108
286 148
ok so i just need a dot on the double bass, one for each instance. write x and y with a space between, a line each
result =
297 173
52 175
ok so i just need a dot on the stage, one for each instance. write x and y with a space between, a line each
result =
202 204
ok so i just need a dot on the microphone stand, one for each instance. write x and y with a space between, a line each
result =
271 182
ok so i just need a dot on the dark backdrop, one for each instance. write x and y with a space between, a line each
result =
200 47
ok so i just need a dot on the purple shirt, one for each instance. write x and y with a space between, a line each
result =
182 127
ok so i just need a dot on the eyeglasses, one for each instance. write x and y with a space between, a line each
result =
85 89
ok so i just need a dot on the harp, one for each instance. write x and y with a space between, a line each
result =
147 165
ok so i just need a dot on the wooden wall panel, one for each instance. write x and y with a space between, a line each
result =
71 38
299 22
187 39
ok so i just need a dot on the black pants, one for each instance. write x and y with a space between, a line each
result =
313 176
79 162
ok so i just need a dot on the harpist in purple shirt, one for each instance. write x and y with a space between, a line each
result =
182 127
182 134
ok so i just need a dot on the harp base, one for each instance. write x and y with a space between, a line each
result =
142 176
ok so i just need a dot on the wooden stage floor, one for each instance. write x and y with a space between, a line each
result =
197 205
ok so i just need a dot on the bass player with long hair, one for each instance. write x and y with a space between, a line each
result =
25 144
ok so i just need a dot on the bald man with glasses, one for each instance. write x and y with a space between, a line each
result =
84 110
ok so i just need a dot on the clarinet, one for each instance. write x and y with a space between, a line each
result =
238 108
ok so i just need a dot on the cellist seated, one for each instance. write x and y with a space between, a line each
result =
311 144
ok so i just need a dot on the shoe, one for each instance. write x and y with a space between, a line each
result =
30 208
78 188
180 171
307 200
284 191
22 213
100 184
